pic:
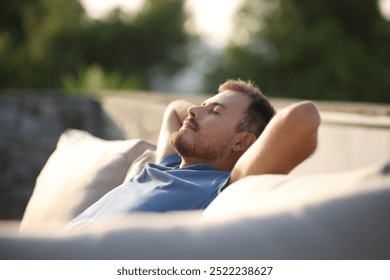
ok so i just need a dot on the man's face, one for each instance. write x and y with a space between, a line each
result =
208 131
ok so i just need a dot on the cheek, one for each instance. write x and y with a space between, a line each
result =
225 127
214 128
214 135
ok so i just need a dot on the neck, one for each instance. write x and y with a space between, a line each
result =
223 164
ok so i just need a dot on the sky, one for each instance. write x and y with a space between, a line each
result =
384 5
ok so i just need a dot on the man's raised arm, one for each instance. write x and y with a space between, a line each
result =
173 119
289 138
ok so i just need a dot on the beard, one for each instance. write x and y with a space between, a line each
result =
199 146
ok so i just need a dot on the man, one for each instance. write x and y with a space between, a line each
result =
203 149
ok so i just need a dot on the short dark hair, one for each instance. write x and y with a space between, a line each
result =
259 111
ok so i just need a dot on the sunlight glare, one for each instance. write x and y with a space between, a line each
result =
384 6
97 9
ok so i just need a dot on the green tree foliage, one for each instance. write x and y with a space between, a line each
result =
49 44
93 79
318 49
26 30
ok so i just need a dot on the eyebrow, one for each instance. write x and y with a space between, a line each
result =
214 103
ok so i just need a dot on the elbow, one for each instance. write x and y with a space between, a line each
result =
309 114
305 115
310 119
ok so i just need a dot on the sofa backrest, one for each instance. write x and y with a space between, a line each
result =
348 141
350 136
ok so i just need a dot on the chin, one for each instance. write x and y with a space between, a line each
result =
181 142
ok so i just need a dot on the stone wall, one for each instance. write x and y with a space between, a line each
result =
30 126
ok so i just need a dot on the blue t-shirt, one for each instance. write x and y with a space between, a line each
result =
160 188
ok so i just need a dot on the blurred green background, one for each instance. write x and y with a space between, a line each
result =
318 49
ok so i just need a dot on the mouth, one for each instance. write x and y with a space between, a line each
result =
191 123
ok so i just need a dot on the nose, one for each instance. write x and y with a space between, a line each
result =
193 112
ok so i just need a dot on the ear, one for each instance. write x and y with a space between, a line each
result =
242 141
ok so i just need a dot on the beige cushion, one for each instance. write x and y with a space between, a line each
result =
149 155
79 172
273 194
330 216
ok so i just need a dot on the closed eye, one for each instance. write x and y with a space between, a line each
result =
215 107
